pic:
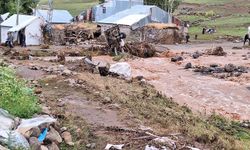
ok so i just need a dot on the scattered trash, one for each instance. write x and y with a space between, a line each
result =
67 138
42 136
192 148
149 147
116 147
27 124
122 69
166 141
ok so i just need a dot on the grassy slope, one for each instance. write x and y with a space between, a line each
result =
233 25
74 6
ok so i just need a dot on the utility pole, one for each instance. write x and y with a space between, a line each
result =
17 10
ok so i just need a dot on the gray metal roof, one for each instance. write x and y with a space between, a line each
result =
137 16
59 16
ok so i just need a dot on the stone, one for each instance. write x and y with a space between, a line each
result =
54 136
3 148
35 132
43 147
66 72
176 58
214 65
91 145
245 58
63 129
196 55
229 67
53 146
7 121
188 66
34 143
45 110
107 100
67 138
38 90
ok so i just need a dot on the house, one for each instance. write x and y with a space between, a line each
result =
135 17
111 7
31 24
58 16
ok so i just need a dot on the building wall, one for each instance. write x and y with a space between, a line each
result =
33 33
4 31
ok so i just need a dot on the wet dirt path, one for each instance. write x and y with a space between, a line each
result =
202 93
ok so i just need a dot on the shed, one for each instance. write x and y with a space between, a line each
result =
136 17
112 7
32 27
58 16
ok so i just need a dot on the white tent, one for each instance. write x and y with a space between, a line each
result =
31 24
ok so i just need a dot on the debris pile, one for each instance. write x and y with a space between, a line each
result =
218 51
75 33
229 70
141 49
42 132
158 33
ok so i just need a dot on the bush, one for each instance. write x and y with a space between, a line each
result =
15 96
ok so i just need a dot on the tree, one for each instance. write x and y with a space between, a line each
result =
10 6
164 4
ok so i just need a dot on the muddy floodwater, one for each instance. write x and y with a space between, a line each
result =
202 93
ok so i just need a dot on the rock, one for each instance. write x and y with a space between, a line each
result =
107 100
66 72
38 90
45 110
44 147
67 138
91 145
35 132
54 136
17 141
245 58
176 58
122 69
237 47
7 122
27 124
53 146
218 51
3 148
242 69
63 129
196 55
214 65
114 106
188 66
229 67
34 143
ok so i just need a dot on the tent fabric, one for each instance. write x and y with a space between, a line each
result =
22 25
59 16
11 22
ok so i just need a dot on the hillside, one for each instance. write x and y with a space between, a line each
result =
74 6
228 17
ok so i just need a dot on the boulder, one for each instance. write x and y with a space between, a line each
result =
54 136
67 138
176 58
7 121
122 69
188 66
53 146
34 143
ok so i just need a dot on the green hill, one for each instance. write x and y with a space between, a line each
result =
74 6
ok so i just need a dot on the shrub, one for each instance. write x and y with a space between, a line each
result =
15 96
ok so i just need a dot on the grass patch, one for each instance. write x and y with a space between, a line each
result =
15 96
75 7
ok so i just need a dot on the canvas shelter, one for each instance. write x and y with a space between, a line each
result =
31 24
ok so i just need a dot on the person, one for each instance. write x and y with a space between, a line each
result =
23 38
204 30
187 38
9 41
